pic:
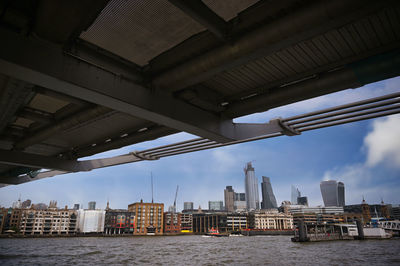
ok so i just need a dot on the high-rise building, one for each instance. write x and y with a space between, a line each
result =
91 205
251 187
216 205
76 206
268 197
229 195
332 193
188 205
341 198
240 202
240 196
295 195
302 201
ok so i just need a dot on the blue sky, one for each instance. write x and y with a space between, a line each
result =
365 156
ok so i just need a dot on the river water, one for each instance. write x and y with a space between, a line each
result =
196 250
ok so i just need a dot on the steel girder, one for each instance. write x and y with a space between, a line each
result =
347 113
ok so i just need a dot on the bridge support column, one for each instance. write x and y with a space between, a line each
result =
360 229
302 231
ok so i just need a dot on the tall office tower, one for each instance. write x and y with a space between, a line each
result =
91 205
295 194
332 193
216 205
229 198
188 205
76 206
251 186
341 198
268 197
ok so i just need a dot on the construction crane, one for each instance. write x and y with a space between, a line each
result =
176 194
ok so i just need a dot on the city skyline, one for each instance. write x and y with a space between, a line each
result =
329 184
364 155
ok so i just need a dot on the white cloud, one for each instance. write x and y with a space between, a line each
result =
353 175
382 145
383 142
224 159
361 182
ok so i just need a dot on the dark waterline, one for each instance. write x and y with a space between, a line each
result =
196 250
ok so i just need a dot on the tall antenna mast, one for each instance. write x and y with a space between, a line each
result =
151 173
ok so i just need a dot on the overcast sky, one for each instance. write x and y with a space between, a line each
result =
365 156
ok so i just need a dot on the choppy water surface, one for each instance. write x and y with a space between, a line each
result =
196 250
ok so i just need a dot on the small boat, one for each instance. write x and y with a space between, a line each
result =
376 233
215 232
235 235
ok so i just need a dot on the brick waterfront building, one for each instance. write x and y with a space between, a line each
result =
172 223
148 218
119 222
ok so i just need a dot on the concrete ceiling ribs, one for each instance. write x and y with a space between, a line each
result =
307 22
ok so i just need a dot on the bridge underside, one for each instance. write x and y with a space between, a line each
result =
81 77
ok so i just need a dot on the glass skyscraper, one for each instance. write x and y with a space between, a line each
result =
216 205
92 205
295 195
188 205
332 193
341 199
251 187
268 197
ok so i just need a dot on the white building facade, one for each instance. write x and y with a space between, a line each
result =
273 220
91 221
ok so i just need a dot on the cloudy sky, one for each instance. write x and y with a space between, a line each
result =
365 156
